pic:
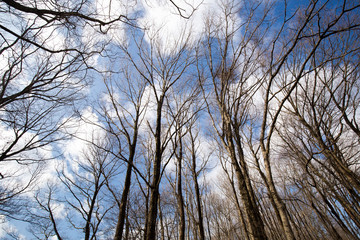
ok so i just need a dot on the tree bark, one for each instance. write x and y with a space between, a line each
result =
254 221
200 221
124 198
179 194
154 187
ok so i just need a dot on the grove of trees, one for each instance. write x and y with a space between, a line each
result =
213 119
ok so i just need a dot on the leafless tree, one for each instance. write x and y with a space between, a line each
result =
37 85
311 34
88 195
232 54
197 164
77 200
323 137
123 111
44 222
161 71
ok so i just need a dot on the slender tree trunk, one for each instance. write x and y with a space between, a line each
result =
279 204
255 224
52 218
162 230
124 198
200 222
90 213
179 194
154 187
241 216
127 225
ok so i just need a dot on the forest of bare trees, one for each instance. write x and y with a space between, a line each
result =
213 119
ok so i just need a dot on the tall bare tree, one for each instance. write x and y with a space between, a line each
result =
311 34
232 54
161 71
123 110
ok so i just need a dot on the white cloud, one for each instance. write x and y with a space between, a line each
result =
58 210
52 38
6 229
168 29
84 131
150 101
28 167
94 36
109 10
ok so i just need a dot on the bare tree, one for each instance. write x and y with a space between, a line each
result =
232 58
37 85
161 71
300 49
37 16
183 113
88 197
123 112
77 200
196 163
44 223
322 136
34 95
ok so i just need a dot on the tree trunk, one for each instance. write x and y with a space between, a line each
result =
123 203
179 194
124 198
279 204
255 224
91 209
198 204
150 233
